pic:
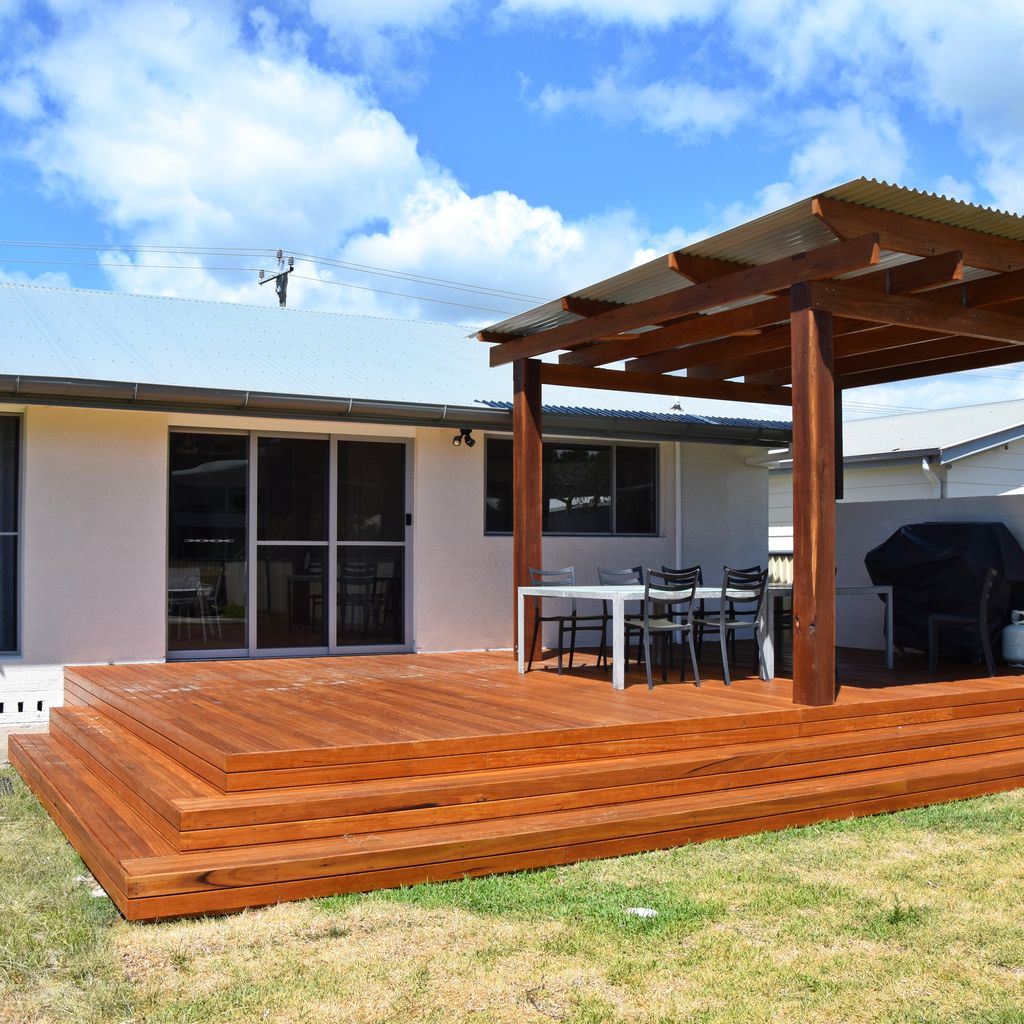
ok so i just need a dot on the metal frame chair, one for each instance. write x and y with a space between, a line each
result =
667 610
612 578
571 623
978 622
743 588
701 609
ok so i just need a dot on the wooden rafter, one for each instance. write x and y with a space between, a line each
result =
701 328
588 307
914 311
843 257
902 233
661 384
906 278
933 368
701 268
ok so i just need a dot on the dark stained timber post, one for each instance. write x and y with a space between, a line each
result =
526 487
814 505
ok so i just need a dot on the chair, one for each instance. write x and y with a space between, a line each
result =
620 578
571 623
668 609
701 610
740 606
977 622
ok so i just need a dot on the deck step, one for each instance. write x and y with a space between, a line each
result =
147 878
193 814
310 766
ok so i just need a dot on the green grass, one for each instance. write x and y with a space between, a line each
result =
911 917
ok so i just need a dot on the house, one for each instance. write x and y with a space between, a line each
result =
181 480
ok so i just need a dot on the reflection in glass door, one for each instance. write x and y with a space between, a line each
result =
281 545
291 542
371 525
206 556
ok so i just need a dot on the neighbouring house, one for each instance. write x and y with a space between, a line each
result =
962 464
183 479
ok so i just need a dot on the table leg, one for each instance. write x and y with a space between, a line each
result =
618 643
521 636
767 632
888 631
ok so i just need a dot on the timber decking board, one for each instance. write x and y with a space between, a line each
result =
190 804
253 713
503 772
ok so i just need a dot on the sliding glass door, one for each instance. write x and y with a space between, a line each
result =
291 542
371 543
286 544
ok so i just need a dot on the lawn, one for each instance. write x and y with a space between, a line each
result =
917 916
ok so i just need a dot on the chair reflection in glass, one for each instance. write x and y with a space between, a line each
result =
190 597
357 595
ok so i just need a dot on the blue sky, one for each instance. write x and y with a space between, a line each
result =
526 147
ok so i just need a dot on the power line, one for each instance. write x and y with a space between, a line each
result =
361 268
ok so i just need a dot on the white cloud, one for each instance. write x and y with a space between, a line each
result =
205 134
687 110
50 279
642 13
345 16
441 230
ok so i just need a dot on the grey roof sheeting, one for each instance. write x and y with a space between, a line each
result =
76 347
777 235
942 435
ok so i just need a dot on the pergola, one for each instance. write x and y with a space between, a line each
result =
866 283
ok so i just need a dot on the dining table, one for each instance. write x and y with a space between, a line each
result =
618 595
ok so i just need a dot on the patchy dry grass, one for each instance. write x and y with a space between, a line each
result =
911 917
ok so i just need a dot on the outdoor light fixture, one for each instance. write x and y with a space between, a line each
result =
465 434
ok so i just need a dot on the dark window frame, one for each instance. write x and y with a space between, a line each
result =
611 447
15 582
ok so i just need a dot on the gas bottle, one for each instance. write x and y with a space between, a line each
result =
1013 640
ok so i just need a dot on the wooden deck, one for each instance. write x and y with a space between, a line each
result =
203 787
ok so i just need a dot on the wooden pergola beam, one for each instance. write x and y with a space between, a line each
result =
921 352
1004 356
914 311
902 233
701 328
830 261
587 307
906 278
701 268
659 384
881 340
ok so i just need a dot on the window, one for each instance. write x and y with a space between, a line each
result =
10 429
587 488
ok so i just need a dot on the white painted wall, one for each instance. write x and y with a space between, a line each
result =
94 507
94 500
862 526
724 508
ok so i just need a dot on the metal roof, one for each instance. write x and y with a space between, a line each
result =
93 347
945 435
785 232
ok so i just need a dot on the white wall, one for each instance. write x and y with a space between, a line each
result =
94 510
94 542
725 504
863 526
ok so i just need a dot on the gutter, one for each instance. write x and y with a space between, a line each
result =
103 394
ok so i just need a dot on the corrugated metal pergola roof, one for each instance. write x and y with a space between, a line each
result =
776 235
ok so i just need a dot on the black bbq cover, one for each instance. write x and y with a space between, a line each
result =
940 567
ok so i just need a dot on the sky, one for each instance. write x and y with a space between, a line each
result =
461 160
